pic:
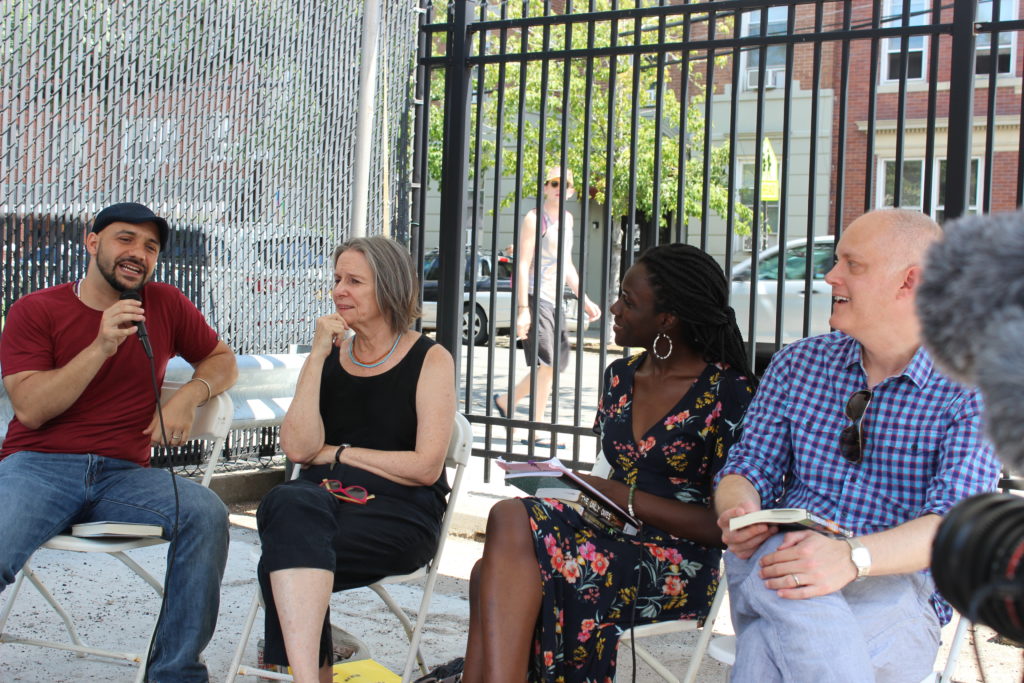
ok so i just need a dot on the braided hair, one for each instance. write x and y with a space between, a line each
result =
690 285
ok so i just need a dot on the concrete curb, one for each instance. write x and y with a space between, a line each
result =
246 485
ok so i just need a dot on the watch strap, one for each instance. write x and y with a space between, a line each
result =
860 556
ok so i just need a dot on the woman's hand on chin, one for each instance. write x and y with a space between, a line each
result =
330 331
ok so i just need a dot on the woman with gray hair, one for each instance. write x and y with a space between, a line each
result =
369 425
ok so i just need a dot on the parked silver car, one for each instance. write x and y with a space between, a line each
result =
794 291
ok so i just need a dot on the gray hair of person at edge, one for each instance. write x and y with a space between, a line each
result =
394 278
971 306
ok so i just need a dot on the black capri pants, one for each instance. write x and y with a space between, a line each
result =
303 525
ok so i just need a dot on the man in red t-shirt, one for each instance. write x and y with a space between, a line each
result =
78 447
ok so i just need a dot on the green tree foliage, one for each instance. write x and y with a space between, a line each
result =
526 102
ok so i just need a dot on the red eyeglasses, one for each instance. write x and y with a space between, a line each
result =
347 494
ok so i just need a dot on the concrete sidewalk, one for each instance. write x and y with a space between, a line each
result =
116 609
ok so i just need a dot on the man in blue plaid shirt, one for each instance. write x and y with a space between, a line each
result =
859 427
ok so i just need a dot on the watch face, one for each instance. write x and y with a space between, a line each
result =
861 558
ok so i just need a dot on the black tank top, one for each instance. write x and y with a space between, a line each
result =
377 412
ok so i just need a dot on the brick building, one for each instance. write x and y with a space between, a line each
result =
880 105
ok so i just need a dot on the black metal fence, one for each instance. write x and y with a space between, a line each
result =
756 130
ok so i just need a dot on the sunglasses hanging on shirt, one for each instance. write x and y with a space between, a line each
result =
851 439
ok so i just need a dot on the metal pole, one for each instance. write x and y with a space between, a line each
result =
455 161
961 108
364 119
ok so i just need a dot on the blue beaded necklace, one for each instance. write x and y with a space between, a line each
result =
352 355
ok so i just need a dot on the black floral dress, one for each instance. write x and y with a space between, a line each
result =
590 576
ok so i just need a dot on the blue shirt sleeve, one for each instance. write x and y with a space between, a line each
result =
763 454
967 462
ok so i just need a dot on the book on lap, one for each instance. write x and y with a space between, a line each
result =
115 529
790 518
552 479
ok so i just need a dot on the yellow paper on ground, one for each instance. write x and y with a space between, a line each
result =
363 671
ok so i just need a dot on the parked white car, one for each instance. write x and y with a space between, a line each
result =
794 291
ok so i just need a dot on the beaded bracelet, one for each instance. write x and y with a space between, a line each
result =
629 501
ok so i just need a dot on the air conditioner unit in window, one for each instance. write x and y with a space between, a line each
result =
774 77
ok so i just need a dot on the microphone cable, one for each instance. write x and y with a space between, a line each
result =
173 541
174 530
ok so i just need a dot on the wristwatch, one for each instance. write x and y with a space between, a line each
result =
860 556
337 453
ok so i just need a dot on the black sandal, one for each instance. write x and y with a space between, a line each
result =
494 400
449 672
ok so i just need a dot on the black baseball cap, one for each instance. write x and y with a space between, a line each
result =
130 212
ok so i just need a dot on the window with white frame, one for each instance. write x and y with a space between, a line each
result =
771 21
912 180
1004 40
972 191
892 48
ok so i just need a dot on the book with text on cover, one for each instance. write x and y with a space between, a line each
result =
546 478
109 529
795 518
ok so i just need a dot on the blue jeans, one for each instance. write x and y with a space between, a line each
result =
878 629
42 494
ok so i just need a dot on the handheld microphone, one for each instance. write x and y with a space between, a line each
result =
140 326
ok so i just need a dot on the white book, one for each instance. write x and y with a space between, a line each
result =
791 518
566 494
108 529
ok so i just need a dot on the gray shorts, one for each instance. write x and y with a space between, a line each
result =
542 327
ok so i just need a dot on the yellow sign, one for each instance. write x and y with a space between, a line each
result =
769 172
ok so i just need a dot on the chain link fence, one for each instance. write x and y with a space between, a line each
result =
235 120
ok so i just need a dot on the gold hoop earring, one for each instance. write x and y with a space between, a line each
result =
654 347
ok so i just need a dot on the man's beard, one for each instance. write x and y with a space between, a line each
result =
109 275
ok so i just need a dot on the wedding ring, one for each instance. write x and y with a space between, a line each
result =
175 437
796 580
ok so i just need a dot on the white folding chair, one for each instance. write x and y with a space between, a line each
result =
723 649
602 469
212 423
459 449
679 626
